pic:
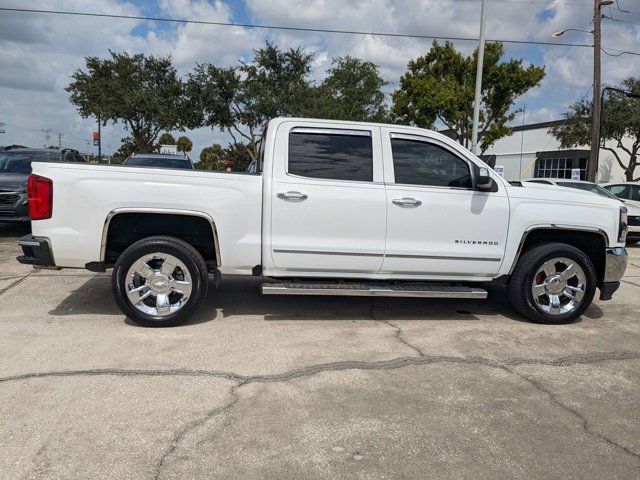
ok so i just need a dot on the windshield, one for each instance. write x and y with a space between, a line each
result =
158 162
589 187
20 162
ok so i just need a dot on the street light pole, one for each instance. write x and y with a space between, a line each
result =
476 101
592 170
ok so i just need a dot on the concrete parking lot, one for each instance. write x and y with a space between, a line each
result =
294 387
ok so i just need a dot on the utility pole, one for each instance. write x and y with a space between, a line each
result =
60 140
476 101
592 170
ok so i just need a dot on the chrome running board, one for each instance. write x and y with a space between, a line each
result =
372 290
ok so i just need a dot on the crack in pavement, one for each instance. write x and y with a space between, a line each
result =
311 370
630 283
182 432
16 283
398 335
398 330
584 422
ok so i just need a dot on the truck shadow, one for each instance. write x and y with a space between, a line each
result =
240 296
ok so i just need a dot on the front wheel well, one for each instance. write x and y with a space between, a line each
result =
124 229
593 244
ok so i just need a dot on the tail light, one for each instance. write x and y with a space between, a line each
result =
40 194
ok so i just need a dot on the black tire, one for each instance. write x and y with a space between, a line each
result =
633 242
519 286
172 246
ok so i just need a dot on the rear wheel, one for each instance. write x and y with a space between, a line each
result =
159 281
552 283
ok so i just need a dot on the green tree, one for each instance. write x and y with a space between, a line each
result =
239 100
212 158
127 147
143 92
184 144
440 86
238 155
352 91
235 156
166 139
620 120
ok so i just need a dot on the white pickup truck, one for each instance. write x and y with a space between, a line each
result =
334 208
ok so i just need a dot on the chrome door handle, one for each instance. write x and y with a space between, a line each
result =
407 202
293 196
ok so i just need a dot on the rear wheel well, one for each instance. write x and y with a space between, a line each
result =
593 244
124 229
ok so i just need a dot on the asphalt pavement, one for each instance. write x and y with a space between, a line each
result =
311 387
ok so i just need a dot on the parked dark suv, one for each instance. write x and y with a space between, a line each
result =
15 168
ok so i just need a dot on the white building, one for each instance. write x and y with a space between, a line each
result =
531 151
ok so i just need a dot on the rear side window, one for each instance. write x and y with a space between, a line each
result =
421 163
635 193
331 156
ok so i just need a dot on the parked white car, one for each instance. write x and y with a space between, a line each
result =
627 191
633 208
334 208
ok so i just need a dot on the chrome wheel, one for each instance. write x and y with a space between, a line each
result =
559 286
158 284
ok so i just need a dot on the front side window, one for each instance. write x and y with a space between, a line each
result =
421 163
331 156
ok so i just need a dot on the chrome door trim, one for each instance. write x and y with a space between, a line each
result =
326 252
331 131
165 211
444 257
555 226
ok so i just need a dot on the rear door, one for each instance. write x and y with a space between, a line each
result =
328 199
438 225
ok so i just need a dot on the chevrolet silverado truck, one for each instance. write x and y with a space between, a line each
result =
333 208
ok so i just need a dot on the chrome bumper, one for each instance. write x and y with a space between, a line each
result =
615 264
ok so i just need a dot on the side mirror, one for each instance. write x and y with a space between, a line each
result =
484 182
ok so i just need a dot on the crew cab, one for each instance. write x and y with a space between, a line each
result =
333 208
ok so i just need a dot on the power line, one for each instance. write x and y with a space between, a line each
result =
297 29
620 52
621 20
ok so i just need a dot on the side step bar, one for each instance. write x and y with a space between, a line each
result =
372 290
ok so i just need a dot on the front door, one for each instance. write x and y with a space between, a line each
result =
328 200
438 225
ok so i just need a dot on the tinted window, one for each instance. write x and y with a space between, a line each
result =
539 181
421 163
20 162
621 191
635 193
331 156
157 162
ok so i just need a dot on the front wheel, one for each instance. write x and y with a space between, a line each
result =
159 281
552 283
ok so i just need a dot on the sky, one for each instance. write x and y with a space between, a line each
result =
39 52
